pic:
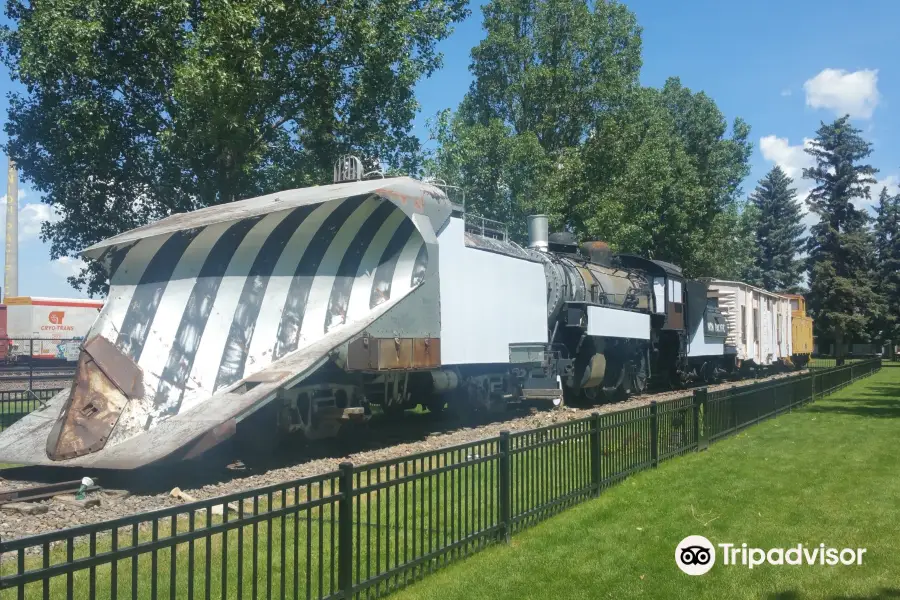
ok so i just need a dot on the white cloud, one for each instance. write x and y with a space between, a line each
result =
67 266
786 92
891 182
31 216
792 160
843 92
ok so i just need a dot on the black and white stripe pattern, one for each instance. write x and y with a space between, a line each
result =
200 309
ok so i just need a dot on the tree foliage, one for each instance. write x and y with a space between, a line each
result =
134 110
887 252
778 238
556 122
841 254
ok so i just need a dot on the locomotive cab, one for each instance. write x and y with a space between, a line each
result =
668 290
688 333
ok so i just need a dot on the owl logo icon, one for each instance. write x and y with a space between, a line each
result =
56 317
695 555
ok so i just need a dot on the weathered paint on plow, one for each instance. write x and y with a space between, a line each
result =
211 313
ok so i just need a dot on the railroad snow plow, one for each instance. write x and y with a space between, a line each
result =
214 314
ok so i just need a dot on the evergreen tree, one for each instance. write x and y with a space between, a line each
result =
840 246
887 252
779 233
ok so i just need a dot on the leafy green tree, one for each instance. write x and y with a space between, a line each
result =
135 110
778 234
541 75
840 246
556 122
887 252
734 230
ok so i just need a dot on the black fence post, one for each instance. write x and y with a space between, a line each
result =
700 396
757 402
654 434
30 364
505 481
345 531
812 387
596 475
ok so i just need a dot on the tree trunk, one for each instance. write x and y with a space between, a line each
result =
839 345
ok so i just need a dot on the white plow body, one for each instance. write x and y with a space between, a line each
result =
211 313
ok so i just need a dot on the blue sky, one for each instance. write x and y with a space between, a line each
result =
782 66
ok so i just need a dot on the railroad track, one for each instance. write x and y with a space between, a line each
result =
43 492
38 374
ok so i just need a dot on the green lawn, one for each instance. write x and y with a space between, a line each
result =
825 474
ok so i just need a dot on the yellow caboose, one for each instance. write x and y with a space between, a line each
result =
801 331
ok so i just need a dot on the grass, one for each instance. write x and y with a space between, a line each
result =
824 474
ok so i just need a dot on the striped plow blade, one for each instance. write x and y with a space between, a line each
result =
211 313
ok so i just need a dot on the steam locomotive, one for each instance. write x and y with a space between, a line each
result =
299 310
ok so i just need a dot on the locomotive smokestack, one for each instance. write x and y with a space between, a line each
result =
538 232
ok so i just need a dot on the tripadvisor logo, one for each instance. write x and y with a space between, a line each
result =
696 555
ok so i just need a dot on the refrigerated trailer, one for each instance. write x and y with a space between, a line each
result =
45 329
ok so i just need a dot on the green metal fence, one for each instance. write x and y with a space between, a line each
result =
366 530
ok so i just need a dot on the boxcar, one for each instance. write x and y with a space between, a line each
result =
758 321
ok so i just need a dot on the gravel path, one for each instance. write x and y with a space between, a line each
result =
14 525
